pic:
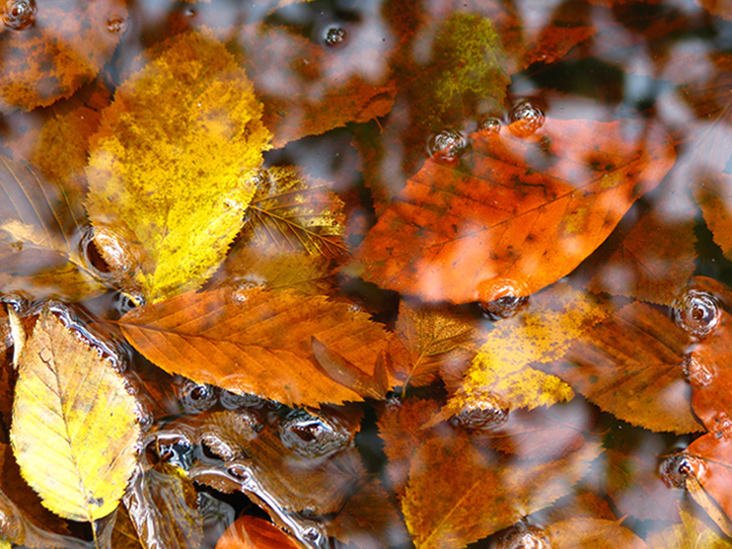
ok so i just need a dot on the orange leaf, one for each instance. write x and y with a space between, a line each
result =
249 532
517 214
595 533
257 342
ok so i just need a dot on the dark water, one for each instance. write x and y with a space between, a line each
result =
375 86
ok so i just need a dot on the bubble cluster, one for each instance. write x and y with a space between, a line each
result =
19 14
521 536
697 313
481 412
334 36
310 436
448 146
526 118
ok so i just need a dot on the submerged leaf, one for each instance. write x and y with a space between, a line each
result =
692 533
594 533
254 533
72 409
171 168
522 213
258 342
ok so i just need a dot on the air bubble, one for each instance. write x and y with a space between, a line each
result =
483 411
526 118
676 468
697 373
239 471
334 36
521 536
116 25
490 125
503 307
697 313
448 146
501 297
19 14
195 397
310 436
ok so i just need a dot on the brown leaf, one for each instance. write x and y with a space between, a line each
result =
255 533
258 342
52 49
595 533
630 365
547 199
40 237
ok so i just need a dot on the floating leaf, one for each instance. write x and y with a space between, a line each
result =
595 533
47 52
630 366
540 333
479 494
522 212
171 168
257 342
692 533
254 533
71 409
40 237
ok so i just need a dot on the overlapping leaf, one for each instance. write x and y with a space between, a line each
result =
692 533
254 533
595 533
524 214
259 342
72 409
171 168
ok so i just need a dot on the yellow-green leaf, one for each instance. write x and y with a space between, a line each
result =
540 333
172 167
74 428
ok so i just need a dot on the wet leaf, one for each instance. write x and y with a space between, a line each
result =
73 409
630 366
254 533
540 333
480 494
40 237
171 168
545 199
430 341
692 533
257 342
162 505
52 48
594 533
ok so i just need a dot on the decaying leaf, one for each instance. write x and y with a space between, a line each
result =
630 364
172 167
72 410
258 342
517 214
40 237
542 332
480 494
49 49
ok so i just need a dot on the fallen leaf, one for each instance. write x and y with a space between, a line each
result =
40 238
595 533
257 342
630 365
479 493
50 49
254 533
73 409
691 533
540 333
172 168
547 199
582 503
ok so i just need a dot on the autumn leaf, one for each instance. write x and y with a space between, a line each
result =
538 334
249 532
480 494
292 232
630 365
547 199
691 533
40 237
595 533
258 342
171 167
49 51
72 408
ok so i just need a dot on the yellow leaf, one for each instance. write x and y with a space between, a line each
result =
74 428
692 533
172 165
540 333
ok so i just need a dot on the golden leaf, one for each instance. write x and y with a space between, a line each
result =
591 532
692 533
171 168
74 428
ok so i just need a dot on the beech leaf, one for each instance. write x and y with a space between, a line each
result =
518 213
258 342
172 167
72 410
